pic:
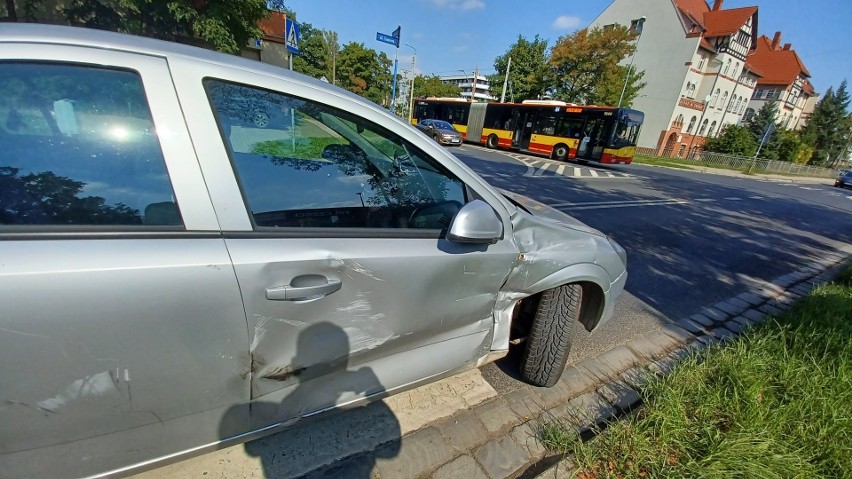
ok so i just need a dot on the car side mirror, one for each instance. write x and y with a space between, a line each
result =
476 222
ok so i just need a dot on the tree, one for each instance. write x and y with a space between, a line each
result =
432 86
226 25
733 140
585 66
767 115
365 72
529 71
312 57
790 146
829 128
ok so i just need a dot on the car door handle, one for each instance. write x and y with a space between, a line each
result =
308 286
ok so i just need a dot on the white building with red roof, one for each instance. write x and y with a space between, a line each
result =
698 66
784 79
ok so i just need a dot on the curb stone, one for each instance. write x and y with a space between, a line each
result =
497 439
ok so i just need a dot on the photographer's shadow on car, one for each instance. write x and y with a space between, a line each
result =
311 435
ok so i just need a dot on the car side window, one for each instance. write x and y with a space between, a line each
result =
79 149
311 165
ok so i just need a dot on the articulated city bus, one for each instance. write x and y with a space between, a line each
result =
563 131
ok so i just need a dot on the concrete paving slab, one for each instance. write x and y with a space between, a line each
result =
501 458
754 315
525 403
419 453
678 333
496 415
750 298
620 395
564 469
701 319
525 436
610 363
692 326
714 314
771 310
461 467
653 344
729 308
418 407
463 431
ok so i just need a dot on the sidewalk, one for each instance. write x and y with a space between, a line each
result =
460 427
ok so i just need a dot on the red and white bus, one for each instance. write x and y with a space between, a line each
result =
563 131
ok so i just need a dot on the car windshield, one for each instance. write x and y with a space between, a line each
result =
443 125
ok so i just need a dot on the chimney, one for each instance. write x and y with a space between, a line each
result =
787 46
717 5
776 40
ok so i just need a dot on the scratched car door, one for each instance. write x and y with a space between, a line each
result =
345 268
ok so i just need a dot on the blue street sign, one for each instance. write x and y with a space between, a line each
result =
387 39
291 30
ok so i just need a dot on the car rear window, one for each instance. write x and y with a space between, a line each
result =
79 148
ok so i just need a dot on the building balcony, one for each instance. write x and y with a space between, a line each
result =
692 104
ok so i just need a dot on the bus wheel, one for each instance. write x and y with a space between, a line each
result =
560 152
492 141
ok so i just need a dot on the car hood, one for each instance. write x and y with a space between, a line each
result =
548 213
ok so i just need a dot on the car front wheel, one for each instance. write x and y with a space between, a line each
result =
549 341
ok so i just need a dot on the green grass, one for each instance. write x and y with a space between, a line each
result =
776 403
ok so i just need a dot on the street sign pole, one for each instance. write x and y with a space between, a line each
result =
393 39
393 91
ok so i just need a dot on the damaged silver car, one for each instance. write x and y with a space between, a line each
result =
166 264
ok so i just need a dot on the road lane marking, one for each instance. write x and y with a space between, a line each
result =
704 200
733 198
542 169
593 173
578 171
560 169
593 205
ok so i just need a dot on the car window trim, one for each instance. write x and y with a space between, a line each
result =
265 232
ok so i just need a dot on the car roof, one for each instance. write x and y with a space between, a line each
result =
92 38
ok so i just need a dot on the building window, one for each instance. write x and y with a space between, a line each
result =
748 114
691 124
714 98
727 67
701 62
712 128
742 107
690 90
770 94
757 93
724 100
703 128
736 67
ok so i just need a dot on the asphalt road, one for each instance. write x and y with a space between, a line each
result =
693 239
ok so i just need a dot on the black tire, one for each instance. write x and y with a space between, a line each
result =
435 137
560 152
491 142
549 341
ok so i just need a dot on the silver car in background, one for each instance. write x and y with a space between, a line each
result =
441 131
167 264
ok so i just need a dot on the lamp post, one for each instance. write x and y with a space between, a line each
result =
411 88
639 24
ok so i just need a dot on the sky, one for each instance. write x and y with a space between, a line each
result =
450 36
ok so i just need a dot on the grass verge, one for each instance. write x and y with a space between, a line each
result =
775 403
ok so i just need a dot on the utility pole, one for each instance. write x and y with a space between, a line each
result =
475 75
506 81
411 88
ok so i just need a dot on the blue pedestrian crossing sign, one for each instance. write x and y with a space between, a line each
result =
291 32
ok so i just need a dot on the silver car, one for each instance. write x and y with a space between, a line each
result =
441 131
166 264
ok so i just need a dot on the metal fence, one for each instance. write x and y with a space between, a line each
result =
760 165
